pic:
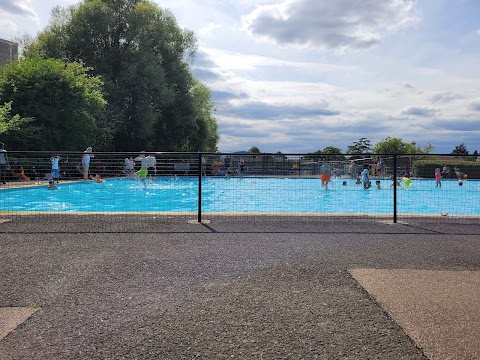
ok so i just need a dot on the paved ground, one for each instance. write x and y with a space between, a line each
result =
221 290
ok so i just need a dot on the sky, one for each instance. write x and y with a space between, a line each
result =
297 76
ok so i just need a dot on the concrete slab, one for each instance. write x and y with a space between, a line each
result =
438 310
11 317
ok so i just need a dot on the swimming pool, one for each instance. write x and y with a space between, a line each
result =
245 195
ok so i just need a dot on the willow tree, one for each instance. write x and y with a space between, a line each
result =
144 59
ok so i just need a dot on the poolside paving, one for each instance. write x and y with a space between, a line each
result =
302 289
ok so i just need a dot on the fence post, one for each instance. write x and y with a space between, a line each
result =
395 188
199 212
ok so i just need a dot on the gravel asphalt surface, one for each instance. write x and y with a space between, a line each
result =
222 290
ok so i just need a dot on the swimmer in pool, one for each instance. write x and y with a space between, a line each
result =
438 178
143 172
358 181
326 171
407 181
52 186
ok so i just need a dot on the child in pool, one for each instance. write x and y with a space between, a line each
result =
52 186
358 181
438 178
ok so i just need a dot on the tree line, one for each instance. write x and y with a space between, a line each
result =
114 75
388 145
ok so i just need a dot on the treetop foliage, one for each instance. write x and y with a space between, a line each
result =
143 58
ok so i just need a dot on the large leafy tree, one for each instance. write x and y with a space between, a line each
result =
59 104
398 146
143 57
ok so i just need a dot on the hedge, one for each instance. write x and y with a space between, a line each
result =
426 168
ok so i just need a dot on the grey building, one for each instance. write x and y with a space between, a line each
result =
8 51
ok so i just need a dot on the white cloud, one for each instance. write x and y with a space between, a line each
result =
340 24
16 17
18 7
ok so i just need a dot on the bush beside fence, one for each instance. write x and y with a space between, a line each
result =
466 169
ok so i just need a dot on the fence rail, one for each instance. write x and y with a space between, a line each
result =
200 186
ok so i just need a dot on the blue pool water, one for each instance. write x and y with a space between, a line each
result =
252 195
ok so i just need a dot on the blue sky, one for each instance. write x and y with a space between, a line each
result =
300 75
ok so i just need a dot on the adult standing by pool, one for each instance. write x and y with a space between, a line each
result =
3 163
87 155
227 162
241 167
326 171
381 168
151 166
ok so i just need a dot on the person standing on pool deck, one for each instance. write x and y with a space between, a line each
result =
241 167
151 167
87 155
143 172
55 167
326 171
4 165
381 168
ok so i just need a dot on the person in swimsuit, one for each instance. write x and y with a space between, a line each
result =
143 172
438 178
326 171
366 178
55 160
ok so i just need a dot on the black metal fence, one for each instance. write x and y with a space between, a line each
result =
208 186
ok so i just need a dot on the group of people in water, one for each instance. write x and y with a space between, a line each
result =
445 172
363 177
148 169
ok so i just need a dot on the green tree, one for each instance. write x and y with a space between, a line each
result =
460 150
254 150
361 146
398 146
390 146
9 123
62 102
330 150
144 59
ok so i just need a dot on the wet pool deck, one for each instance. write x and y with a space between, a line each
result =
267 289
